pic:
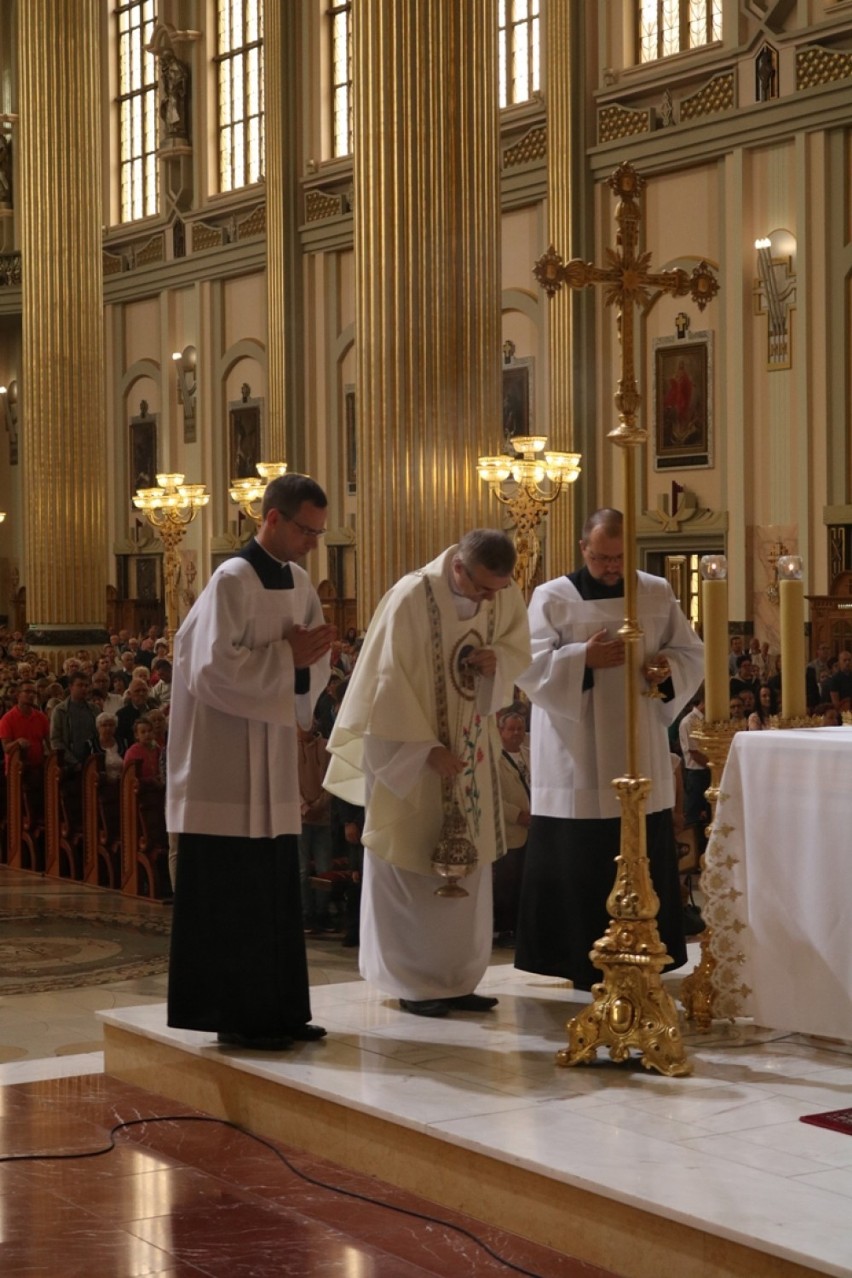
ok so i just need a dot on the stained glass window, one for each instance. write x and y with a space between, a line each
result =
137 110
674 26
519 50
239 61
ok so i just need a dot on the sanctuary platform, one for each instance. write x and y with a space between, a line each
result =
697 1177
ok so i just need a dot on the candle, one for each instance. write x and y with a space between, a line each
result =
714 613
791 592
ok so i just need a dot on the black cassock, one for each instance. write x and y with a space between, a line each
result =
237 963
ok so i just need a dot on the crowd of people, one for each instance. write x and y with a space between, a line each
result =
755 686
90 699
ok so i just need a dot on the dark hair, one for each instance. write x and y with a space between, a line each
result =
612 522
492 549
288 492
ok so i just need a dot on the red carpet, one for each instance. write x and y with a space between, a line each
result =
837 1120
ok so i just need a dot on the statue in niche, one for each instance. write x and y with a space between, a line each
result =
5 172
174 83
766 74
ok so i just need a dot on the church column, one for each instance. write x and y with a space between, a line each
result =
427 269
60 206
570 313
279 98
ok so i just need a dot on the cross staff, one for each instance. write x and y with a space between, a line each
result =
631 1008
627 283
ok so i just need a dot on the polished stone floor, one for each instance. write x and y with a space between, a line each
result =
182 1197
723 1151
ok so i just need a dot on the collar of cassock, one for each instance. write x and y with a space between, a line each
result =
591 587
273 574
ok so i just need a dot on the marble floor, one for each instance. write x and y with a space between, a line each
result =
181 1197
722 1151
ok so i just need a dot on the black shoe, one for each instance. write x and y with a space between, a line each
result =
350 941
504 941
425 1006
259 1044
472 1003
693 923
306 1033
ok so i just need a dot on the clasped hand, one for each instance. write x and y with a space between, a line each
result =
310 645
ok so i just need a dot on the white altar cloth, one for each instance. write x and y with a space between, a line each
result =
778 880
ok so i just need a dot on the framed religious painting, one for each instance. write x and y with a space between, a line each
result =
683 402
517 400
142 450
244 417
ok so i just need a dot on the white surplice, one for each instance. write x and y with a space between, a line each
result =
232 727
578 736
413 944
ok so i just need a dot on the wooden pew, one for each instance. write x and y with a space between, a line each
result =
144 841
101 825
25 813
63 818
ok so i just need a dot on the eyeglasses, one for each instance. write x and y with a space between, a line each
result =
315 533
480 587
614 560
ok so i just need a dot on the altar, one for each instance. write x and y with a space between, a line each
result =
778 881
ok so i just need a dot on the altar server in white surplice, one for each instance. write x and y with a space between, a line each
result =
439 659
250 661
576 685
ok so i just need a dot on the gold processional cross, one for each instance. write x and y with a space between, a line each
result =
631 1010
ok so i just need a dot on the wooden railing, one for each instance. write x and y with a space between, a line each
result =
78 823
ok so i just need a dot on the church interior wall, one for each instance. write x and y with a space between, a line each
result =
780 443
781 448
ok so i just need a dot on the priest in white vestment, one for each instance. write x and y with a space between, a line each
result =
577 688
250 660
440 657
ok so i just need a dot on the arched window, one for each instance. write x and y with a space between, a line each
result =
674 26
239 61
519 50
137 109
340 19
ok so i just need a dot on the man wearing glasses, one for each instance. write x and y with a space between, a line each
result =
250 661
576 685
414 735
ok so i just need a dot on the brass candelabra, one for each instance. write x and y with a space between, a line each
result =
526 499
248 493
170 508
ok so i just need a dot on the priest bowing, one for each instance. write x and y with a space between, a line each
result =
414 738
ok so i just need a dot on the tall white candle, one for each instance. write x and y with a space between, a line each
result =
791 592
714 616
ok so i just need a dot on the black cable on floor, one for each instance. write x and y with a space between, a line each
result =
261 1140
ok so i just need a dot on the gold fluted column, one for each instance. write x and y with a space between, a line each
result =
277 35
427 267
569 313
63 445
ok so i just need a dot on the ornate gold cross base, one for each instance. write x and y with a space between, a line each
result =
631 1009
